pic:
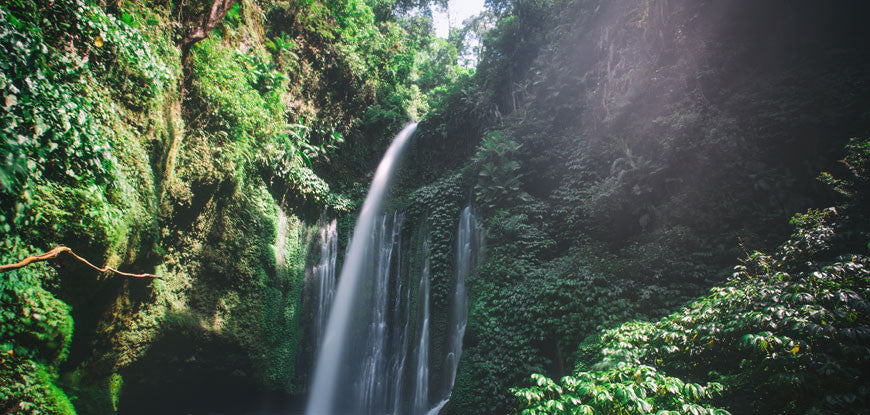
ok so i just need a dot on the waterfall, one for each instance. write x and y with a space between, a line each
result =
372 387
332 365
401 316
469 249
324 275
421 391
376 348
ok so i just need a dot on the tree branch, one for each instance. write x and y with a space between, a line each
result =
61 249
207 23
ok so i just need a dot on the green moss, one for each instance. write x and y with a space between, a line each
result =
225 83
28 387
35 333
116 382
33 323
282 306
92 392
64 214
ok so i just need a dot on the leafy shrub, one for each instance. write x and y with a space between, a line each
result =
35 333
624 389
34 324
124 59
769 336
34 391
225 89
499 174
74 215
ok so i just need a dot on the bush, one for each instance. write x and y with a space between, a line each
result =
624 389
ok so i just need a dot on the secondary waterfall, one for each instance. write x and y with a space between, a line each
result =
324 276
421 391
376 354
331 360
469 250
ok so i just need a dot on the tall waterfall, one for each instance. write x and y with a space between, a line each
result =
376 354
324 275
332 365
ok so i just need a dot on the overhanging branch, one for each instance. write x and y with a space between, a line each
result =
62 249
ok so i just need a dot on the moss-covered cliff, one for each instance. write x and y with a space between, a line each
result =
623 153
194 161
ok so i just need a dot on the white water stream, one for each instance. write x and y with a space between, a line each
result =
377 349
324 275
325 390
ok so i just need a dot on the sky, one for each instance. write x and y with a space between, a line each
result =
459 11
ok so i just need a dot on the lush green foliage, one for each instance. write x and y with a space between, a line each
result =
37 100
54 123
499 176
614 190
624 389
35 325
35 333
356 68
788 332
114 146
34 391
63 178
246 125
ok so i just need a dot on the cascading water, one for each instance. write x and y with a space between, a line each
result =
332 363
375 355
324 275
402 320
421 390
373 388
469 249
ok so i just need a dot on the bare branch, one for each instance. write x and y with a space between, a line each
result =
61 249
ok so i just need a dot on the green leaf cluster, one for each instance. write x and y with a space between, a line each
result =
48 127
498 177
624 389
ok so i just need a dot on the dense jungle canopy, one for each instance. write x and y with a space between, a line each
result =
607 207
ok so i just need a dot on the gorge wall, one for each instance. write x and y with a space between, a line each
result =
622 154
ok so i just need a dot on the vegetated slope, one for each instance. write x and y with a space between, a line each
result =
788 333
625 152
198 168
